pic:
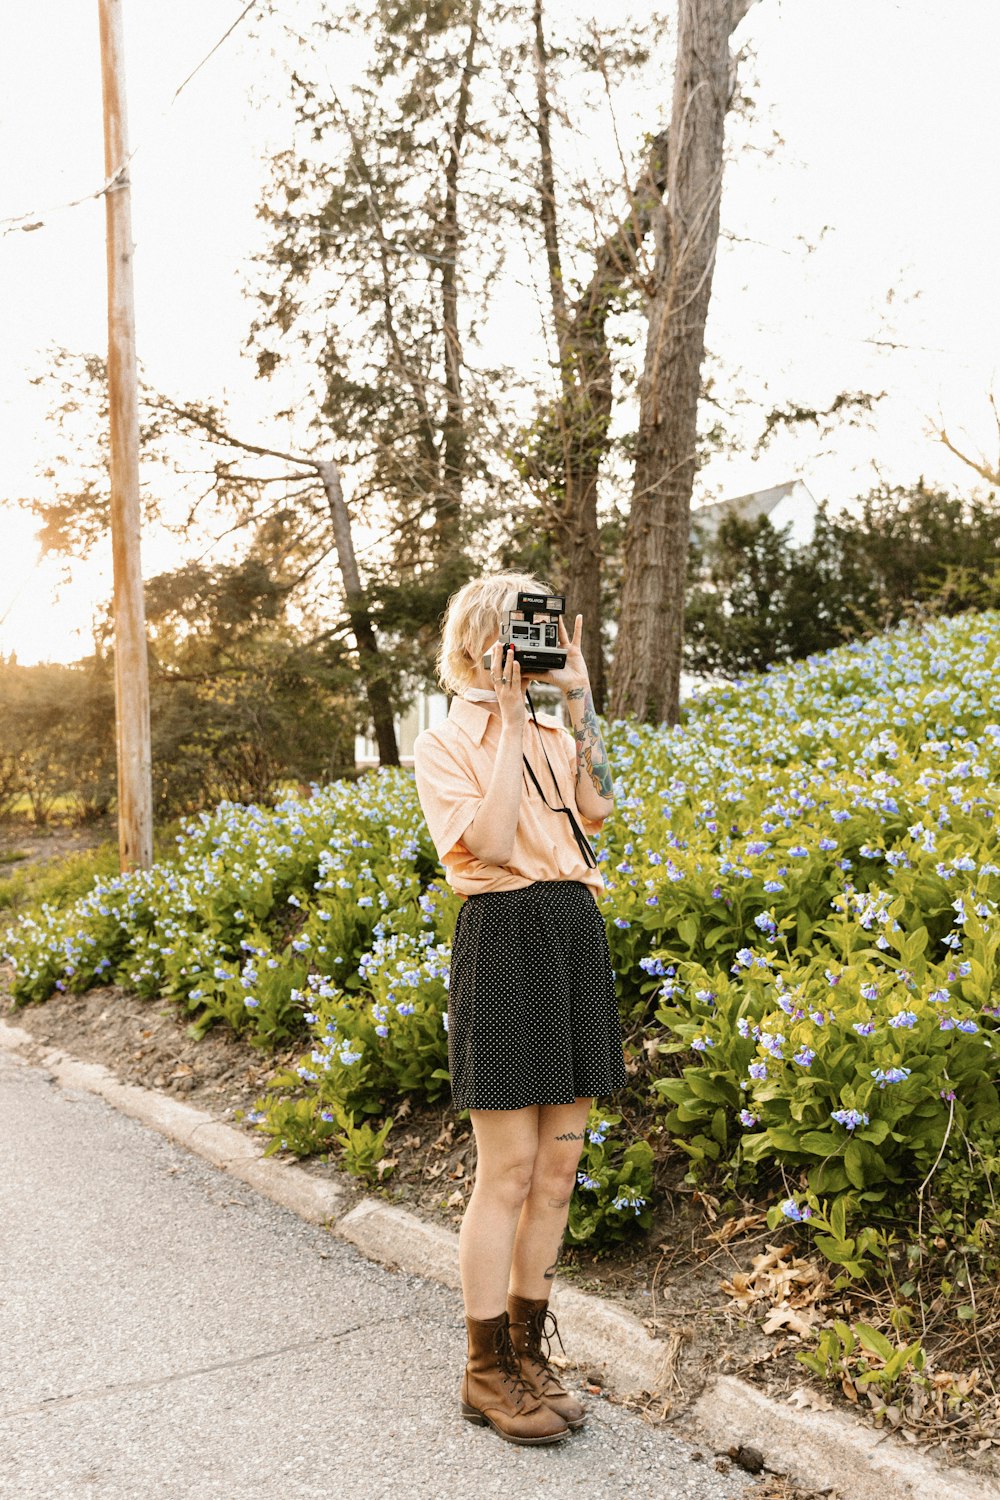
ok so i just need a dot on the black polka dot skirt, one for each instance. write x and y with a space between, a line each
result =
532 1006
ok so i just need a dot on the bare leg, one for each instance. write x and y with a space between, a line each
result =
506 1143
542 1222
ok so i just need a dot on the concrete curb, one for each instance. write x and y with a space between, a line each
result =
810 1447
283 1182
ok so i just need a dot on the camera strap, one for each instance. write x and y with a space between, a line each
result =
589 857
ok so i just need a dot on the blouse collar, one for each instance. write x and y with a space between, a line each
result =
473 717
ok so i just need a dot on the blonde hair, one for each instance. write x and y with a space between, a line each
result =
472 620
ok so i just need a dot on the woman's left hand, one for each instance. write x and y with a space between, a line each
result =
574 673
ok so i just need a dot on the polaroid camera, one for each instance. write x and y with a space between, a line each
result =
530 623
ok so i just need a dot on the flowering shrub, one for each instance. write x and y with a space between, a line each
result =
831 986
801 893
615 1185
389 1041
258 911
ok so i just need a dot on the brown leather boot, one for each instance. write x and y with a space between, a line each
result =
494 1391
527 1328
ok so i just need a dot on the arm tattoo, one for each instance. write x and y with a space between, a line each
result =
590 751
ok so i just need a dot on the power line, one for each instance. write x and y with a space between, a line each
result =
223 38
35 218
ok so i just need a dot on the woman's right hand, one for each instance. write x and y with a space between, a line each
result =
510 694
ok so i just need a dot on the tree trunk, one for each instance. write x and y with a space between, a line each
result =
369 657
651 627
453 435
580 421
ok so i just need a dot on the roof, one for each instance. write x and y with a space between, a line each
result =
748 507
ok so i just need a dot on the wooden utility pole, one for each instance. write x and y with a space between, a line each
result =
135 799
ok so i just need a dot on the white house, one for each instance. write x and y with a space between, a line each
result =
781 504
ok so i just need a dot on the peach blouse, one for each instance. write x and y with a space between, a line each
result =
453 764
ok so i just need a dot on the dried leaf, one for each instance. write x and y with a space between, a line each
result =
772 1255
796 1320
739 1289
731 1227
810 1400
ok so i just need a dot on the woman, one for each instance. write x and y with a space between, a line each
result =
534 1033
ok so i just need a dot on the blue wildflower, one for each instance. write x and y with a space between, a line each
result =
889 1075
791 1210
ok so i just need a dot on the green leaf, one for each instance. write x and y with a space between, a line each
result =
704 1087
838 1219
900 1360
874 1342
840 1251
783 1140
854 1163
687 931
821 1143
845 1334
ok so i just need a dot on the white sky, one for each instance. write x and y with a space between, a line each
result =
890 121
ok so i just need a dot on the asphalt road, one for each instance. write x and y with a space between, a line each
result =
168 1334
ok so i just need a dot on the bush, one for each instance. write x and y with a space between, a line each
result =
58 882
801 906
754 598
615 1181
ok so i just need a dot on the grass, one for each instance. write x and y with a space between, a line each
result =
57 880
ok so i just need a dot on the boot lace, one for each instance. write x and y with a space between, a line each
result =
540 1327
507 1360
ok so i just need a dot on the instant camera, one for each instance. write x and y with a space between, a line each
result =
530 623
